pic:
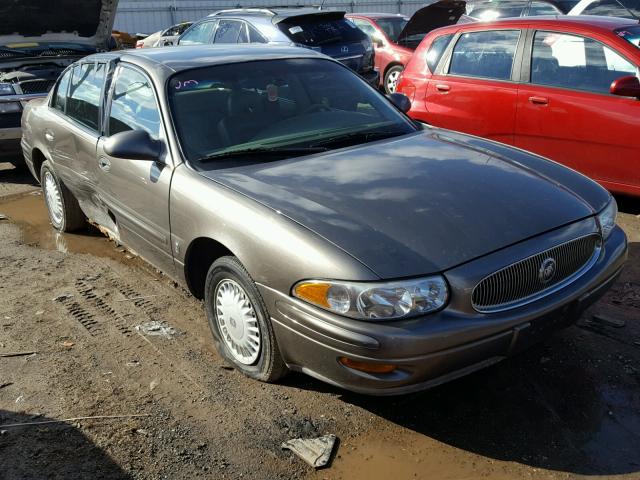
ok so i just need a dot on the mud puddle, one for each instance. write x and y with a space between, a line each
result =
30 214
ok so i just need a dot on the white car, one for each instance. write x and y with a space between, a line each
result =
163 38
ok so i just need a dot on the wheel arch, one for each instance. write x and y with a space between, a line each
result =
37 159
199 256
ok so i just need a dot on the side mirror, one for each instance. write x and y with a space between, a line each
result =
133 145
377 41
628 86
400 101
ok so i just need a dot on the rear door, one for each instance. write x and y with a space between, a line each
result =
136 192
475 91
199 34
566 113
72 138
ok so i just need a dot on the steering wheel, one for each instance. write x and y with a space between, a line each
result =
316 107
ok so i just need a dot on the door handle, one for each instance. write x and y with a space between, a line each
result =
442 87
48 134
539 100
104 164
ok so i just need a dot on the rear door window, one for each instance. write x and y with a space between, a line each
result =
229 31
60 98
575 62
85 94
317 30
199 34
437 48
133 104
487 54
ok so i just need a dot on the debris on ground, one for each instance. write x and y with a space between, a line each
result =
315 451
606 320
63 297
67 344
155 327
3 217
6 384
17 354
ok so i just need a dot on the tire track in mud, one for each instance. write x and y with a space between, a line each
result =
85 318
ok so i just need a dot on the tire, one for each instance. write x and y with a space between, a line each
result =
64 212
391 78
229 285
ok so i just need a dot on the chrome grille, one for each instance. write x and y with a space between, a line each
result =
525 281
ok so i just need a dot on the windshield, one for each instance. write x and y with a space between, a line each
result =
614 8
392 26
294 106
630 34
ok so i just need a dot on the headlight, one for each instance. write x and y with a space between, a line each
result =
607 218
6 89
376 301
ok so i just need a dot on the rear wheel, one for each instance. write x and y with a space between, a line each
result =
240 322
391 78
64 212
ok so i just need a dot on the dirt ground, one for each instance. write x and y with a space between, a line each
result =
566 409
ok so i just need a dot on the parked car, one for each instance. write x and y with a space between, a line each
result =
325 231
324 31
565 88
487 10
164 38
395 37
38 40
608 8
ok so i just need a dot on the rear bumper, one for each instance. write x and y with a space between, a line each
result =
311 341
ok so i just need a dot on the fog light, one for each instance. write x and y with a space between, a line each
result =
367 366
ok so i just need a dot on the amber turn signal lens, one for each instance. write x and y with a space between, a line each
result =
314 293
367 366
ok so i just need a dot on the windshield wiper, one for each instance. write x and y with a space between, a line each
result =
356 138
263 152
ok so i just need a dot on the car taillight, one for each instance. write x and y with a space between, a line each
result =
139 44
406 88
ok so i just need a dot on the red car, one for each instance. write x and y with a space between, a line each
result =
395 37
566 88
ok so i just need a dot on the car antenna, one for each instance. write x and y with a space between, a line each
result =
627 9
321 5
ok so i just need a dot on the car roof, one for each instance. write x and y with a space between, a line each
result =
163 62
271 12
585 22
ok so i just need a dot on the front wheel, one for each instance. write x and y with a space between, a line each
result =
64 212
391 78
240 323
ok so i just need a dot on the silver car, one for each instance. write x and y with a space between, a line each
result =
325 231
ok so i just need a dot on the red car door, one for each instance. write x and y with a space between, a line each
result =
476 92
566 112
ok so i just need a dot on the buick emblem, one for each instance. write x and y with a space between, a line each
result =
345 49
547 270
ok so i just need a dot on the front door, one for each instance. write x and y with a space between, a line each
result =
476 92
567 114
135 193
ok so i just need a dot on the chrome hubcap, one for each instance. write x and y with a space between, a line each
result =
237 320
392 81
54 199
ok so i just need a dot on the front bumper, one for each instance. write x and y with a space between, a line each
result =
436 348
372 78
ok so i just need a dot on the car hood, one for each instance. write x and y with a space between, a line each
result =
88 22
413 205
434 15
